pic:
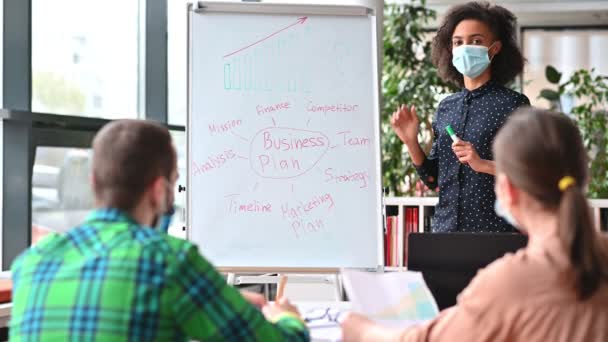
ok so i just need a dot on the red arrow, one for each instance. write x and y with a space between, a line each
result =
299 21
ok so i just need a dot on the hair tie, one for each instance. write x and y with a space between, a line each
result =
565 183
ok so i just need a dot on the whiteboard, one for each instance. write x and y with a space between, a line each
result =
283 137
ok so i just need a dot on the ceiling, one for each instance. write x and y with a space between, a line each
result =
543 12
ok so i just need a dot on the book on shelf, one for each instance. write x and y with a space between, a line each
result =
410 226
387 229
390 242
395 243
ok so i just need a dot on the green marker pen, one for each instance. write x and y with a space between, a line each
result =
451 133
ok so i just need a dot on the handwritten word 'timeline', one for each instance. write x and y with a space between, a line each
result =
254 206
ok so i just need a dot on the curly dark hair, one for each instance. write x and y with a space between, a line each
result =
505 66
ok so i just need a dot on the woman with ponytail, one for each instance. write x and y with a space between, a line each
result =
555 289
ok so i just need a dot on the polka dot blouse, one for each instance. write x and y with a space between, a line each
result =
466 197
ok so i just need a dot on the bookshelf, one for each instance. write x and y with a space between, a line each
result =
425 206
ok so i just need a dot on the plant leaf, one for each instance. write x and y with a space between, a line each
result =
552 74
549 94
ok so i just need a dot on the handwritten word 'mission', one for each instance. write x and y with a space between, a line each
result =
223 127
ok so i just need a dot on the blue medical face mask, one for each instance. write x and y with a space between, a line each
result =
504 213
164 221
471 60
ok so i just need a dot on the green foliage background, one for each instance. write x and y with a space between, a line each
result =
590 92
408 77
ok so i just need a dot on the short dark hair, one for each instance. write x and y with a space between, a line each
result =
128 155
505 66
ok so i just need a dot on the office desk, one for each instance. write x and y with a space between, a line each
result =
317 334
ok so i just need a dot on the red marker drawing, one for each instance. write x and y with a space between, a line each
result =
300 20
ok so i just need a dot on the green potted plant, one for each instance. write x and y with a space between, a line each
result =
408 77
590 112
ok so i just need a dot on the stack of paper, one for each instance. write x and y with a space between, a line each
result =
397 299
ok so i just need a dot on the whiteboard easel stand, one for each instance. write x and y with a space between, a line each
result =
315 276
266 279
288 9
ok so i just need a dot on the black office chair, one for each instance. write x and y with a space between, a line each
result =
448 261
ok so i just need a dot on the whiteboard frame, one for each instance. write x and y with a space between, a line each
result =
197 7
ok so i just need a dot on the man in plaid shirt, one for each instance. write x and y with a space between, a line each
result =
115 278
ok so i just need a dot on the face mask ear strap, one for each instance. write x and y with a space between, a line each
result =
489 47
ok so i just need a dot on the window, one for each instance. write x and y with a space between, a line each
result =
2 52
61 192
566 50
177 62
85 57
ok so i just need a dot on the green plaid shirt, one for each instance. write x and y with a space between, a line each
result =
111 279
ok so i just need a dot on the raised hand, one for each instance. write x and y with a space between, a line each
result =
405 123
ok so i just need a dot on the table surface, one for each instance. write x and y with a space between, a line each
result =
304 307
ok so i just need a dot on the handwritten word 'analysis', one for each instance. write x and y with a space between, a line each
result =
213 162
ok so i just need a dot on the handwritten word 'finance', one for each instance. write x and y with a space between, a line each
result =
254 206
333 108
224 127
281 153
357 177
303 208
272 109
213 162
